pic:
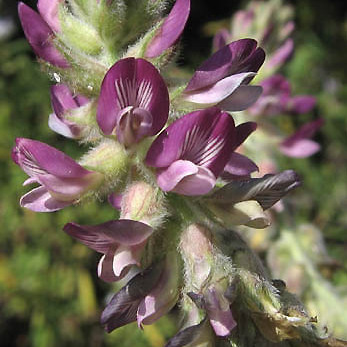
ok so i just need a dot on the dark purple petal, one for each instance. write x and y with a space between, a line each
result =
301 104
49 12
240 165
40 36
266 190
188 335
37 158
203 137
116 232
40 200
298 144
171 29
242 98
243 130
122 309
281 55
237 57
134 96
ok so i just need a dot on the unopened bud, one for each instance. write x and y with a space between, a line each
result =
142 202
197 248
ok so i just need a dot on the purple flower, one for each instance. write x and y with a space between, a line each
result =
276 99
299 145
219 311
121 242
223 79
62 180
191 153
64 101
133 102
147 296
171 29
197 331
39 34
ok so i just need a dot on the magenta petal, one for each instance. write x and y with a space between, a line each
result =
171 29
69 189
242 98
37 158
240 165
301 104
197 184
116 232
49 11
219 313
169 178
237 57
300 148
40 200
282 54
63 100
219 91
40 35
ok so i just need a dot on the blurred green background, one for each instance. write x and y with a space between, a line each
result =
49 292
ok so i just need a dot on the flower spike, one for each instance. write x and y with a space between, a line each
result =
133 102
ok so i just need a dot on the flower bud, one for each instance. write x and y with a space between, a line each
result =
142 202
79 34
109 157
196 247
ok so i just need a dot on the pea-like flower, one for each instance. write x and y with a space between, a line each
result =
120 241
63 101
40 29
147 296
223 79
62 180
133 102
191 153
